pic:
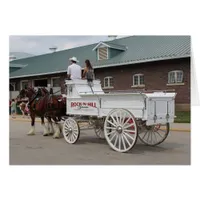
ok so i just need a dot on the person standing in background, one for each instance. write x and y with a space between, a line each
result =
13 108
10 107
22 107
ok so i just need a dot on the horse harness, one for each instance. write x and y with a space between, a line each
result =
35 99
50 104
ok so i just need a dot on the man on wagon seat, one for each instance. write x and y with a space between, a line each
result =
74 70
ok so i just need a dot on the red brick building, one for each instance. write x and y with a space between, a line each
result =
131 63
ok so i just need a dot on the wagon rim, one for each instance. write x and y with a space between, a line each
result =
120 130
154 135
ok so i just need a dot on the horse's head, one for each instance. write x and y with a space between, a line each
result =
26 93
22 94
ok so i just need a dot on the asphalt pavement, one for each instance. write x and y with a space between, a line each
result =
180 127
90 150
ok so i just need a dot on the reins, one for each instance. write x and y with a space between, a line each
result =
35 96
57 92
32 100
52 93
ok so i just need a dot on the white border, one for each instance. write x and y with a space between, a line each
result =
98 182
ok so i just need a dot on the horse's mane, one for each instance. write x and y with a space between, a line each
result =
44 90
31 89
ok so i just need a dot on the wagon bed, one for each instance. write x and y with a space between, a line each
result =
122 116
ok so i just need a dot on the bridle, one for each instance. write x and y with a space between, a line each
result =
30 99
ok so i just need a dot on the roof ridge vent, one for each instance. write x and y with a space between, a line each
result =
12 57
53 48
112 37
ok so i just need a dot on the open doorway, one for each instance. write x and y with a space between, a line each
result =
40 83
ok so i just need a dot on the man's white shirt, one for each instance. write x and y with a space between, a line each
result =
75 71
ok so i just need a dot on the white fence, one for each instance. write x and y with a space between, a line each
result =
13 94
56 90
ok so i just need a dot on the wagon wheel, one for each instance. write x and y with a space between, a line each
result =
71 130
154 135
120 130
98 128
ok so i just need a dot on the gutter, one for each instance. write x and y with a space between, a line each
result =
103 66
140 61
30 75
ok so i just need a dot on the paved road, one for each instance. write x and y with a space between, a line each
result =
89 150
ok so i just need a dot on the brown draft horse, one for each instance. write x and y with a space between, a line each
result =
56 109
44 105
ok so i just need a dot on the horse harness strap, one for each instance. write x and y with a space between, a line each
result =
50 102
28 105
35 99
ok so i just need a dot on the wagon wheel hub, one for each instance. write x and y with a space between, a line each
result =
119 129
70 130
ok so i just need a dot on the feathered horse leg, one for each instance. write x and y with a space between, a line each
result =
50 126
45 132
32 130
57 129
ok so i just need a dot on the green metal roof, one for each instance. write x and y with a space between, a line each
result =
17 65
20 55
116 46
139 49
111 45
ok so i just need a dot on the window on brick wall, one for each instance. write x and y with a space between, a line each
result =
56 82
175 77
24 84
108 82
138 80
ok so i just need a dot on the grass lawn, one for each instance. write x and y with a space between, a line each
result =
182 117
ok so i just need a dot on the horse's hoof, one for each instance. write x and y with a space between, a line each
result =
55 137
46 134
30 133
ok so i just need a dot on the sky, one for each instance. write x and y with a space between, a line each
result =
40 44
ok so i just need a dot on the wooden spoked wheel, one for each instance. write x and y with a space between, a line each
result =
71 131
154 135
120 130
99 128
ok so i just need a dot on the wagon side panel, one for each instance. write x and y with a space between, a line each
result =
134 103
83 106
160 110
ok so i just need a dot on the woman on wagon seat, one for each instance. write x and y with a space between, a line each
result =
88 72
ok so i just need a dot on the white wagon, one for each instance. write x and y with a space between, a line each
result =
118 117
